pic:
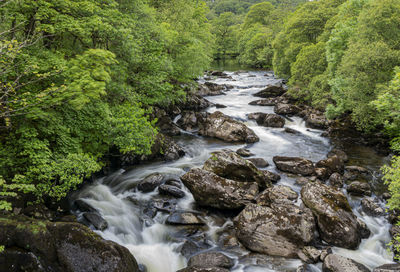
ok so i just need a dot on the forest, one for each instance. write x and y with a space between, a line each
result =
80 79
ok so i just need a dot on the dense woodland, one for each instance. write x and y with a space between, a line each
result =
79 77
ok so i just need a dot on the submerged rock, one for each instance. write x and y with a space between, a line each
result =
279 230
223 127
294 165
337 263
59 246
211 190
271 91
334 215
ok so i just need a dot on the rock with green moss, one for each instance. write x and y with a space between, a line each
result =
334 215
58 246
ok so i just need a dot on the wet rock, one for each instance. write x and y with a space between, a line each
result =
304 268
276 194
142 268
259 162
211 190
223 127
195 103
189 120
171 190
59 246
84 206
19 260
210 89
359 188
264 102
190 247
370 207
303 181
220 106
173 182
244 152
218 73
203 269
336 180
286 109
271 91
40 211
321 173
325 252
267 119
228 164
387 268
357 173
294 165
164 205
96 220
291 130
334 215
184 218
337 263
333 164
211 259
167 126
317 121
279 230
363 229
340 153
270 177
310 255
150 183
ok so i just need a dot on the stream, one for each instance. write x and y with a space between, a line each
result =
158 246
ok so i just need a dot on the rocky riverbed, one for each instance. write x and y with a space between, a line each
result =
246 180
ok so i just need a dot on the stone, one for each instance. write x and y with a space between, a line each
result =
334 215
336 180
279 230
96 220
244 152
184 218
171 190
286 109
220 106
210 89
221 126
337 263
357 173
270 177
316 121
363 229
333 164
371 208
228 164
264 102
211 259
167 127
150 183
270 91
203 269
294 165
340 153
84 206
291 131
211 190
387 268
310 255
189 120
276 194
259 162
267 119
359 188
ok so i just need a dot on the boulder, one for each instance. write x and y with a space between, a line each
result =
259 162
218 73
270 177
58 246
371 208
337 263
184 218
84 206
267 119
388 268
310 255
195 103
286 109
228 164
223 127
203 269
167 127
96 220
359 188
276 194
270 91
340 153
211 259
294 165
279 230
150 183
264 102
336 180
334 215
171 190
363 229
189 120
357 173
210 89
317 121
211 190
333 164
244 152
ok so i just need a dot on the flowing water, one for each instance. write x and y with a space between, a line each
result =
157 245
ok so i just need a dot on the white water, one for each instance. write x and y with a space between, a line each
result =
156 245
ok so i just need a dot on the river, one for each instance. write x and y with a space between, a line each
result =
157 245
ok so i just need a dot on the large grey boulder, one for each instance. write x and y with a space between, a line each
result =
211 259
334 215
279 230
267 119
221 126
211 190
294 165
337 263
276 194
